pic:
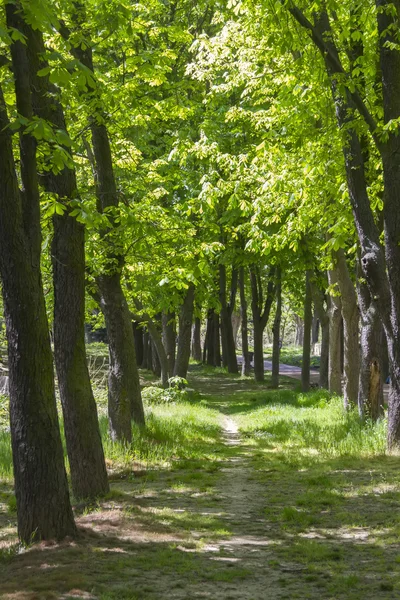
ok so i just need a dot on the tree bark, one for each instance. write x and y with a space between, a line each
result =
139 345
184 336
306 361
299 330
245 334
82 433
335 320
276 344
228 342
169 338
350 315
323 316
260 311
145 361
196 341
370 395
208 353
41 488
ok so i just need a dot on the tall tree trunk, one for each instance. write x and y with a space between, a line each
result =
169 338
156 364
370 395
124 396
276 344
123 376
145 361
314 329
323 317
208 355
350 315
217 340
160 363
228 343
305 365
245 335
196 341
236 322
184 336
82 433
299 330
260 310
139 345
335 320
41 488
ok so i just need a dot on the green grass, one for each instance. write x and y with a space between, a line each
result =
320 494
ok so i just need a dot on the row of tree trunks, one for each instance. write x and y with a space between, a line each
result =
41 488
229 359
84 446
243 314
276 329
260 309
306 361
185 333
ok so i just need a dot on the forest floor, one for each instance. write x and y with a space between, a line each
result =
247 493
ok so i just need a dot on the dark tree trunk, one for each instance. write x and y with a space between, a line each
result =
314 330
276 344
319 300
217 340
41 488
149 354
335 323
236 322
208 353
169 339
124 396
260 311
85 450
123 377
245 335
139 345
196 341
306 361
159 356
370 395
145 361
184 336
350 315
228 343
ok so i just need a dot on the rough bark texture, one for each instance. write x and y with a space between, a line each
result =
228 342
306 361
159 356
185 331
41 489
84 445
260 311
169 339
299 330
208 353
351 317
123 376
335 322
245 333
388 19
196 340
276 344
145 361
370 395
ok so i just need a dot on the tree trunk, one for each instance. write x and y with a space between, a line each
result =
82 433
217 340
208 354
228 343
124 399
319 300
260 311
243 313
350 315
306 361
41 488
236 321
276 344
156 364
335 320
160 363
145 361
370 395
314 329
299 330
185 330
169 339
124 396
196 341
139 345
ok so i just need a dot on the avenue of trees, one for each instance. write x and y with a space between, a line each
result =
176 168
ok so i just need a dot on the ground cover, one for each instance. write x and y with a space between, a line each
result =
239 492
